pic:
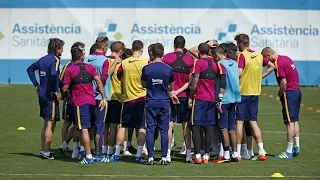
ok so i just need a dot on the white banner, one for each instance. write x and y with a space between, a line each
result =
25 32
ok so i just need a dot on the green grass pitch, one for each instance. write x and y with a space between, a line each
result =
19 149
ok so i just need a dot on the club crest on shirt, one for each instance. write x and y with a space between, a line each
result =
42 73
156 81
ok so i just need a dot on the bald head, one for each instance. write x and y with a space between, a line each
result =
269 54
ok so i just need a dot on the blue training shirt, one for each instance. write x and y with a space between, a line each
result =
97 60
157 75
232 92
48 67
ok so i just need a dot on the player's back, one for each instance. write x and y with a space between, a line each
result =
232 91
97 61
289 70
131 79
157 76
115 83
182 66
251 78
46 63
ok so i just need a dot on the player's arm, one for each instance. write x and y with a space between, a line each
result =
105 72
114 64
144 78
31 73
100 87
65 87
223 80
270 67
241 63
173 96
186 85
281 77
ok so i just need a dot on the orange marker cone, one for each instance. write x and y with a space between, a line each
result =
301 105
277 98
318 111
271 96
310 108
264 94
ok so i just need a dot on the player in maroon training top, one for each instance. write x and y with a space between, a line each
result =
290 97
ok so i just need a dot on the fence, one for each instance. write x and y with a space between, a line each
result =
291 27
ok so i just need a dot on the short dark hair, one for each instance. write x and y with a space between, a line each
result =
157 50
232 47
54 45
76 53
204 49
243 39
126 53
93 48
224 46
179 42
149 48
219 50
77 44
117 46
137 45
100 41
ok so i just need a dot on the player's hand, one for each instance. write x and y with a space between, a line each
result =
57 95
37 89
69 100
190 103
218 107
175 99
280 93
118 60
102 104
175 93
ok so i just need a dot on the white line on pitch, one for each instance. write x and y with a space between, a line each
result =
3 85
282 132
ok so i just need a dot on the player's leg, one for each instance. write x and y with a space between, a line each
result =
68 111
232 131
183 117
197 115
242 115
113 119
106 137
139 118
66 122
75 144
296 149
51 116
223 125
125 117
100 116
129 150
208 121
163 123
249 139
150 116
254 104
83 115
173 119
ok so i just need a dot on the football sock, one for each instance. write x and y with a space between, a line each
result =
289 147
139 151
297 141
118 149
261 150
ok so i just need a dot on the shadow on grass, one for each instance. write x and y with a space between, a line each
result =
56 154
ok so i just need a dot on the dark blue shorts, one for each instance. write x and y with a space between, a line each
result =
49 110
247 109
114 111
68 112
84 116
203 113
180 112
291 101
99 117
132 115
228 117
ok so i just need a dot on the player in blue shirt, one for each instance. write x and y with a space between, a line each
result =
68 116
48 92
158 78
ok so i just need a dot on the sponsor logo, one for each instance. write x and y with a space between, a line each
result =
32 35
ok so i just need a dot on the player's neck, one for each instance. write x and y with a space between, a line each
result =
178 50
246 48
157 60
99 51
114 54
136 54
203 56
77 61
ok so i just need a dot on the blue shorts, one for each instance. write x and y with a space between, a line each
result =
68 112
114 111
247 109
291 101
49 110
180 112
84 115
132 115
203 113
99 117
228 117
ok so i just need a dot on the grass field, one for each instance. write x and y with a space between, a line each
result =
19 149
